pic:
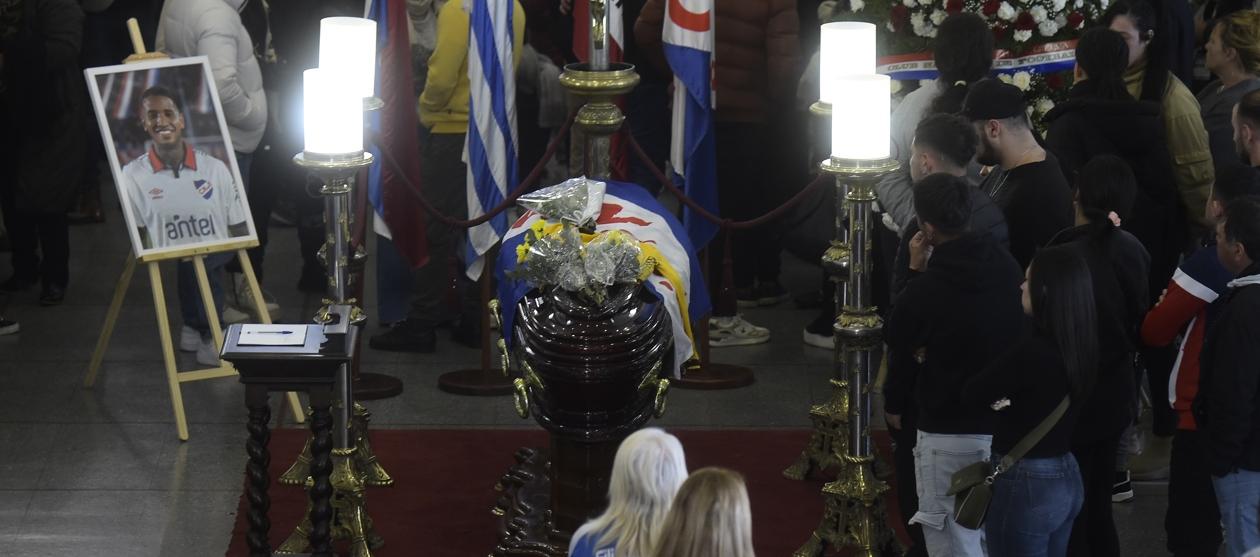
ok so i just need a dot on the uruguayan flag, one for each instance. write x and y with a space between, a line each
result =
490 148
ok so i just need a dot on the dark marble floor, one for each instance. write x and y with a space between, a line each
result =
101 472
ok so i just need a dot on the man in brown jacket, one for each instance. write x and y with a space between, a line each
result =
756 59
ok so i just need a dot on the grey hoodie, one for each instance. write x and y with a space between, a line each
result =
213 28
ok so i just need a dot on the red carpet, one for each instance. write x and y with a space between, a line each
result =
444 478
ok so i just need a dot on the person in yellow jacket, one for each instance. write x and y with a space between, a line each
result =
1187 137
443 110
444 102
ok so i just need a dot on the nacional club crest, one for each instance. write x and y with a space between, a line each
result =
204 188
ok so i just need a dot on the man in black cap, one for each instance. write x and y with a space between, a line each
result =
1030 189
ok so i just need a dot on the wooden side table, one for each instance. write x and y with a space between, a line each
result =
311 367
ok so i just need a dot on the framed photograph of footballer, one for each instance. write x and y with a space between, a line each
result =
169 148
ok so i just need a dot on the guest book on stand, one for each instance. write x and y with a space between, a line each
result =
272 335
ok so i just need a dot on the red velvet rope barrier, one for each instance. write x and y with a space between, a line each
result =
668 184
520 189
715 219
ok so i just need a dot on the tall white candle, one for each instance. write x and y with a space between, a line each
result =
860 115
333 116
847 48
347 47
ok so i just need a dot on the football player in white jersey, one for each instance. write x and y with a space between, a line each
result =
179 196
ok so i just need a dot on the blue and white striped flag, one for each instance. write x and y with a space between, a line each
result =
490 148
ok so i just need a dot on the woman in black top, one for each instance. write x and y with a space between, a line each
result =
1118 266
1101 118
1036 500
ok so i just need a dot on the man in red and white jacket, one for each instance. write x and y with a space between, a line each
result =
1192 522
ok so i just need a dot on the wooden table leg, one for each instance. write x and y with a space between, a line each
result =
256 472
321 468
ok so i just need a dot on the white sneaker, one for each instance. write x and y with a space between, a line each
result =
233 315
735 331
245 297
207 352
189 339
9 327
818 341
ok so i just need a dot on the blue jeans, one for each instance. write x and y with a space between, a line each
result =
1034 505
1238 495
190 306
936 457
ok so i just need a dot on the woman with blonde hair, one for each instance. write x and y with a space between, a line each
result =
648 470
711 517
1233 56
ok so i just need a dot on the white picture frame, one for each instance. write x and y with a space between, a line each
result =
180 207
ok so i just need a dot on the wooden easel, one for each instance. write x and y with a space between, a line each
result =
175 377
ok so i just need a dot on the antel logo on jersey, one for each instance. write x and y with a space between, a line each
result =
190 228
204 188
156 193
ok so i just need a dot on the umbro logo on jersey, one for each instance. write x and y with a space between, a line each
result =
204 188
156 193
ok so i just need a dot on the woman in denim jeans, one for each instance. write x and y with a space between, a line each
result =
1035 502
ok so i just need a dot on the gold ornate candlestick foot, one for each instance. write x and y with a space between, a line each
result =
827 445
364 459
350 519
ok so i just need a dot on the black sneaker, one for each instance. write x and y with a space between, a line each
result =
406 336
1122 488
819 332
764 294
9 327
17 284
52 295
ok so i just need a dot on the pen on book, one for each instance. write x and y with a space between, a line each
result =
270 332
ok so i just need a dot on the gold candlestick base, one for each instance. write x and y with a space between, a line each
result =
364 458
853 514
350 519
827 444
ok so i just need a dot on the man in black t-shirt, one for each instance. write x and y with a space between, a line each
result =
1030 189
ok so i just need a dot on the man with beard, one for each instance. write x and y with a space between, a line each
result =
1246 120
1030 189
180 196
941 144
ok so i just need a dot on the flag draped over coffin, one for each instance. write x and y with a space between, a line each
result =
678 281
